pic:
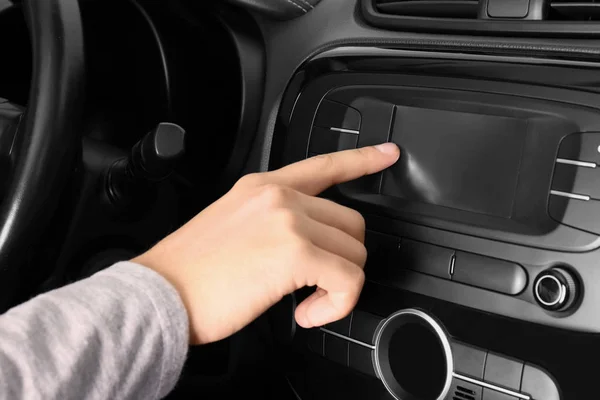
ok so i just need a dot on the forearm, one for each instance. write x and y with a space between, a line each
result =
123 333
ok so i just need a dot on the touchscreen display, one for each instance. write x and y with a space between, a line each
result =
461 160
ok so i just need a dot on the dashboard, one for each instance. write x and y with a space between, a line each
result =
482 278
483 241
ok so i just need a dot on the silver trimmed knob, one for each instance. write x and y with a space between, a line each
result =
555 289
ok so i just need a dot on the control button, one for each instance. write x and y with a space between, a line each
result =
489 273
342 326
382 253
364 326
336 349
360 359
503 371
323 140
584 215
425 258
377 120
468 360
575 179
555 289
508 8
332 114
538 384
462 390
581 146
490 394
314 341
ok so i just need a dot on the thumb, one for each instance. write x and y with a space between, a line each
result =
321 308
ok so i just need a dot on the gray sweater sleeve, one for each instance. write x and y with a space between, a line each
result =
120 334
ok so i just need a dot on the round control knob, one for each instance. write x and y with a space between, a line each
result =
555 289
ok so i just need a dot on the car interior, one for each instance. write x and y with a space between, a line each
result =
122 119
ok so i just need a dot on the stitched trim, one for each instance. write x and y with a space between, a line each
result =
296 5
307 3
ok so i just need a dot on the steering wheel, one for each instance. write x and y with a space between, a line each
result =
45 147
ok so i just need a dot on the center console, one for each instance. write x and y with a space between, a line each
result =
490 218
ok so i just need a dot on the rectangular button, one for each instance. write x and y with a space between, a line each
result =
584 215
538 384
342 326
360 359
377 117
508 8
336 349
332 114
490 394
575 179
315 341
382 254
581 146
425 258
502 371
324 141
489 273
468 360
363 326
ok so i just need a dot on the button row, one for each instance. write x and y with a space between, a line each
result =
478 374
348 342
389 255
499 372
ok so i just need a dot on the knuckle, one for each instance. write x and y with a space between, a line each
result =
287 220
364 152
359 221
358 278
325 161
355 280
362 252
299 251
274 196
250 180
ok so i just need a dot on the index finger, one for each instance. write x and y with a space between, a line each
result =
314 175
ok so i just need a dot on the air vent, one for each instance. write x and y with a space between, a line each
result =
462 9
462 393
546 18
575 10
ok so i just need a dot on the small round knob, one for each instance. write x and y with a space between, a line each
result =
555 289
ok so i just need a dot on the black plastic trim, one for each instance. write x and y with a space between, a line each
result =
582 29
245 36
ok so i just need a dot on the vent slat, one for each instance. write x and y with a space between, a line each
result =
464 389
462 396
575 10
460 9
462 393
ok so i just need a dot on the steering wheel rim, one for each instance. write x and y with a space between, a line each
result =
45 148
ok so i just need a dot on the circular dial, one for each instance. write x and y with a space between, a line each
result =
555 289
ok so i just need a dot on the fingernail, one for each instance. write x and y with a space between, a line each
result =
387 148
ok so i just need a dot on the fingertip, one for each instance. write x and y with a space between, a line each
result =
301 318
321 312
389 149
301 313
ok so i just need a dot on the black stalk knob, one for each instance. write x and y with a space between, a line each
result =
151 160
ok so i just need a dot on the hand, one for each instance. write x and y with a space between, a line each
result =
268 237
